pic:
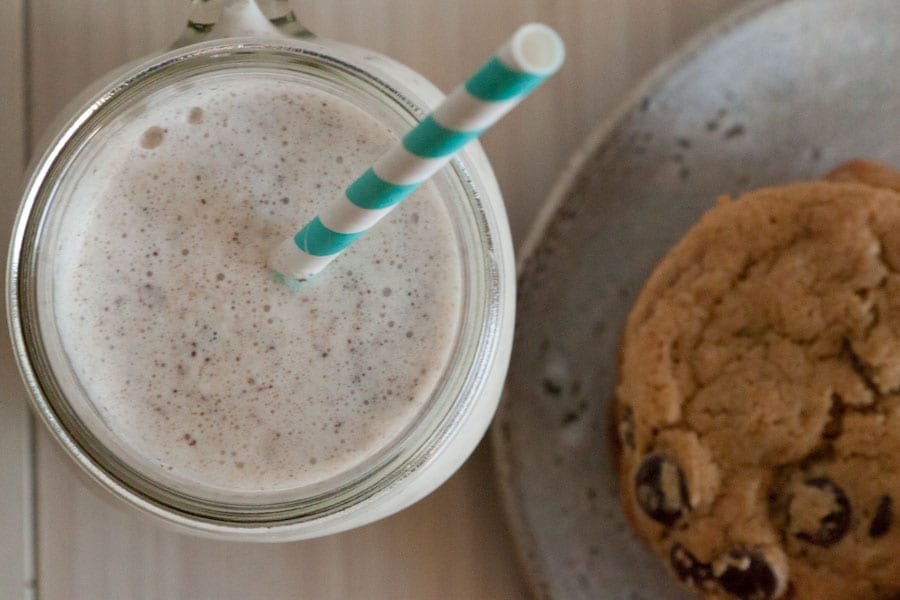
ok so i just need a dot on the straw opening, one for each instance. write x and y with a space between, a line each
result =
533 53
537 49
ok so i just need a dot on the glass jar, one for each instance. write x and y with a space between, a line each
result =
452 421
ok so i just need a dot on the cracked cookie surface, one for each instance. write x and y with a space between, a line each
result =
759 397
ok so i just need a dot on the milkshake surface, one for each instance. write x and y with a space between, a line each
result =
192 355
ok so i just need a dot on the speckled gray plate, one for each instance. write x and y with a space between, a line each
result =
779 92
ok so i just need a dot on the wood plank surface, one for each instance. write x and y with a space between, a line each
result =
16 501
455 543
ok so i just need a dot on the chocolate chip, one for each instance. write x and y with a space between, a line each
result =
884 517
747 575
687 568
660 489
834 524
835 424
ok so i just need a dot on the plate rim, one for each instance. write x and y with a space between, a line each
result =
715 30
523 539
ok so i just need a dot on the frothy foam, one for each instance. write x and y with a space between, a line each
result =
191 352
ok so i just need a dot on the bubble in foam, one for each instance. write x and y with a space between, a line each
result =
152 137
195 116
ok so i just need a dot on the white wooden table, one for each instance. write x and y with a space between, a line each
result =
59 539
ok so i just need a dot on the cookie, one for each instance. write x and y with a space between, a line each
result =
867 172
758 406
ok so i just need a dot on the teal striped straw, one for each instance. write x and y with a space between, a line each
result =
531 55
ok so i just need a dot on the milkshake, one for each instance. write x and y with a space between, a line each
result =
160 351
213 376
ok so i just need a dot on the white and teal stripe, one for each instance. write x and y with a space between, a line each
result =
532 54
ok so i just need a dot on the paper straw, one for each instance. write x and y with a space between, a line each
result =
532 54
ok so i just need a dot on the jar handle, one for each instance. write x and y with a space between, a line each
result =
214 19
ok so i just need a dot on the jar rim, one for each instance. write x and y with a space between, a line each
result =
198 514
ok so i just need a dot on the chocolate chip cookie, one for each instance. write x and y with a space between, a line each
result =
758 406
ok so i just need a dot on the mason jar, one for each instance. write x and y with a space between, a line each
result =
452 420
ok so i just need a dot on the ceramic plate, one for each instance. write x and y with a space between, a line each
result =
779 92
